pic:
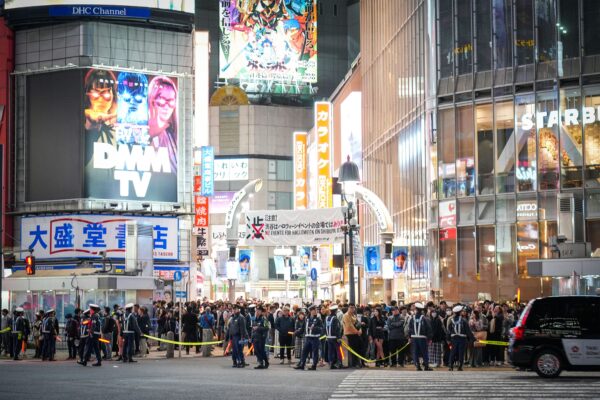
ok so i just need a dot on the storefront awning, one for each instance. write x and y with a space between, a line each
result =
564 267
58 280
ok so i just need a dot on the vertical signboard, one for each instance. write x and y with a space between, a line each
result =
208 161
323 130
300 177
201 211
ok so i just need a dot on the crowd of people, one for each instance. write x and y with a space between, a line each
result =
337 333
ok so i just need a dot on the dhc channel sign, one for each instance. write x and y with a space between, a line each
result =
98 11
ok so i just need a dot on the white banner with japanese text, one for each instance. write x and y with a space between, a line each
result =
85 236
295 227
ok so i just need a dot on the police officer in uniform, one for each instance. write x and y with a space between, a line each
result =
49 333
314 327
458 334
333 333
260 331
238 334
130 327
94 334
19 332
84 329
419 332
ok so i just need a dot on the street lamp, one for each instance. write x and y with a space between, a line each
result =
349 177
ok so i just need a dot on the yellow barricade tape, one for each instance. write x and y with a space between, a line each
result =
372 361
5 330
493 342
184 343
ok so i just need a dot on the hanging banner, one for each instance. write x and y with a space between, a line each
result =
207 172
246 260
323 129
201 210
202 242
372 260
300 176
400 256
294 227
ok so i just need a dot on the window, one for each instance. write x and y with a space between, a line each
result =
502 32
591 27
505 147
485 149
447 166
525 41
464 47
446 42
571 156
527 245
485 210
465 163
547 207
467 257
505 209
486 243
505 260
547 230
548 121
593 233
448 264
568 29
526 143
546 21
484 34
279 201
592 138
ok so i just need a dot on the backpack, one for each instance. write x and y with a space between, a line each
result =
109 325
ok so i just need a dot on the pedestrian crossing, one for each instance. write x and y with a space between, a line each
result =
381 384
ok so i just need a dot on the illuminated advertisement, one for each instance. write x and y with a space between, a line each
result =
208 167
351 128
173 5
131 130
85 236
372 260
400 256
245 260
323 129
268 39
300 173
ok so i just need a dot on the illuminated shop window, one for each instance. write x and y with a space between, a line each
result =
485 149
447 164
464 47
505 147
465 163
526 143
547 123
571 139
591 126
527 245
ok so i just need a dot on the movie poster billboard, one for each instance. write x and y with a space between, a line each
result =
274 40
131 135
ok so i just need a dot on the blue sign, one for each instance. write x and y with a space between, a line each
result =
207 171
177 276
372 260
181 294
99 11
313 274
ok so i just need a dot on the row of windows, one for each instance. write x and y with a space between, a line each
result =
478 35
542 141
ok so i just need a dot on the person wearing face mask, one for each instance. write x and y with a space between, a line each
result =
397 340
445 346
419 333
437 338
459 334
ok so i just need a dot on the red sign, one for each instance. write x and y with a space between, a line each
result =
197 184
201 211
447 234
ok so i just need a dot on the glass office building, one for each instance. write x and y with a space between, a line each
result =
517 121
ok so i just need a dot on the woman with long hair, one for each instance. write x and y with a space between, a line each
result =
377 335
162 116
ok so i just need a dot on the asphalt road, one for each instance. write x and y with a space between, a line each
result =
214 379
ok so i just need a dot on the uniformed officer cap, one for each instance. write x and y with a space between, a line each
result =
128 305
419 306
87 311
19 309
51 310
457 308
333 307
252 306
94 307
313 307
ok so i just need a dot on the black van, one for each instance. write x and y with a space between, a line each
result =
557 333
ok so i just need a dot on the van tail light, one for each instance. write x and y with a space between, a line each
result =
518 332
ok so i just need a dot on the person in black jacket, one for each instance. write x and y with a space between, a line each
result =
458 335
314 328
72 334
285 326
108 327
377 335
438 338
397 340
299 331
238 334
189 327
419 332
145 325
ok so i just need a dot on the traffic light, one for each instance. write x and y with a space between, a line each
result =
30 265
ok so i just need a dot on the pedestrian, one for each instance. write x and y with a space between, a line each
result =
397 340
145 325
94 335
284 325
36 332
419 332
496 353
207 324
438 338
238 335
377 335
333 334
71 335
108 327
299 332
260 332
314 327
459 334
477 328
5 332
84 336
352 331
130 329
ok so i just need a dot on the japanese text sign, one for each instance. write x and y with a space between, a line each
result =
323 131
207 172
300 176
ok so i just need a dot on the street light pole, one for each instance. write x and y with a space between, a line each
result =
351 259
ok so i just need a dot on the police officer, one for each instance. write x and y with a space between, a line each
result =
238 334
333 332
84 329
94 334
458 334
130 328
19 332
49 333
419 332
260 331
314 327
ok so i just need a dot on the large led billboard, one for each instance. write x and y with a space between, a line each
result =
131 131
173 5
268 39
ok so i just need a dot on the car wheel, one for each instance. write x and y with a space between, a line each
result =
547 364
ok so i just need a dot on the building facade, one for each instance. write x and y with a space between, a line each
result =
517 95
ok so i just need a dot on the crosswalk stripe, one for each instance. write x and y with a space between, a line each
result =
381 384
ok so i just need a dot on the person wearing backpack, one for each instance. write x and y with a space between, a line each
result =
108 327
72 334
